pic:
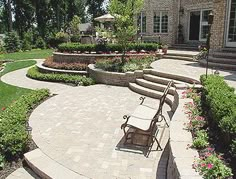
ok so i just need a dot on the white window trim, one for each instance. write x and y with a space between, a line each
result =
160 22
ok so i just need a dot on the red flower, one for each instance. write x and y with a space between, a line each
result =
3 108
209 166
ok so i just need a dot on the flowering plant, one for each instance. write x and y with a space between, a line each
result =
211 166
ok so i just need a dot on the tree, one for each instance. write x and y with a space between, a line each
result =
95 8
124 12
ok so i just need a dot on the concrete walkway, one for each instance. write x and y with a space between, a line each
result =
190 69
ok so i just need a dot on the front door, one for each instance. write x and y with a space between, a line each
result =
231 33
194 25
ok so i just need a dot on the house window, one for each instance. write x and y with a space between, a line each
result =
204 24
141 23
160 22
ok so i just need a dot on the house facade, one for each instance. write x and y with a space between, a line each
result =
186 22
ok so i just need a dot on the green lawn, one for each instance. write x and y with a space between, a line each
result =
33 54
9 93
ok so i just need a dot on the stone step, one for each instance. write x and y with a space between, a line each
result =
154 86
227 55
184 47
20 173
158 80
176 78
150 93
227 49
178 57
222 60
47 168
218 65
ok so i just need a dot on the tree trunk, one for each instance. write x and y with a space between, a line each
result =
9 13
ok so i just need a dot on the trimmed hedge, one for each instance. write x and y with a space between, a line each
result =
220 102
72 47
64 78
13 135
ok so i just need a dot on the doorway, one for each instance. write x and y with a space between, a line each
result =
194 27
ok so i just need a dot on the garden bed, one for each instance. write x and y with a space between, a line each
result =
212 161
34 73
15 137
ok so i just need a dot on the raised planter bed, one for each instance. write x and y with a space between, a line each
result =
87 58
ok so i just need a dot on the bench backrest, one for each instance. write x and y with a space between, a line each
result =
162 100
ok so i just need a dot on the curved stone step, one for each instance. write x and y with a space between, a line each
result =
47 168
150 93
218 65
175 78
177 57
44 69
225 60
20 173
227 55
154 86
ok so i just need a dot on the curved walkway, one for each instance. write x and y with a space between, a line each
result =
80 129
191 69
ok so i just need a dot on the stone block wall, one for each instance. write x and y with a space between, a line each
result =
113 78
181 157
218 27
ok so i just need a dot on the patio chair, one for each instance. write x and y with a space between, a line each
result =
144 121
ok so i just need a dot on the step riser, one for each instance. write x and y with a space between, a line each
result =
160 81
179 55
150 94
178 58
175 77
219 66
155 87
220 61
224 55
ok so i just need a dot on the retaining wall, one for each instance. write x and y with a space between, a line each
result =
181 157
113 78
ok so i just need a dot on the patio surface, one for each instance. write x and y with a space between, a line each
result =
191 69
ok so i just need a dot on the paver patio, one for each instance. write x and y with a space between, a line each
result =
191 69
81 130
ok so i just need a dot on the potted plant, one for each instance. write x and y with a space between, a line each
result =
164 49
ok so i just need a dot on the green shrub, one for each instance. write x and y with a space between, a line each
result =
12 42
71 47
62 37
54 77
13 135
26 45
220 101
2 161
233 148
2 49
132 64
40 43
75 38
201 140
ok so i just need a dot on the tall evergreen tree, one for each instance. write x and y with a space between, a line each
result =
95 8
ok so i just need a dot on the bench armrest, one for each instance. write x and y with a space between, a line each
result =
142 98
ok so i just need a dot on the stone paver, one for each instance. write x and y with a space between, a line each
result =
82 132
80 129
20 173
191 69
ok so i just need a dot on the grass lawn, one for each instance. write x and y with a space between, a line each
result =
33 54
9 93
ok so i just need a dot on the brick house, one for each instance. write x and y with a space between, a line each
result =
185 22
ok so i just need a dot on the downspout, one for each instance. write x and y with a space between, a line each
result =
178 20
